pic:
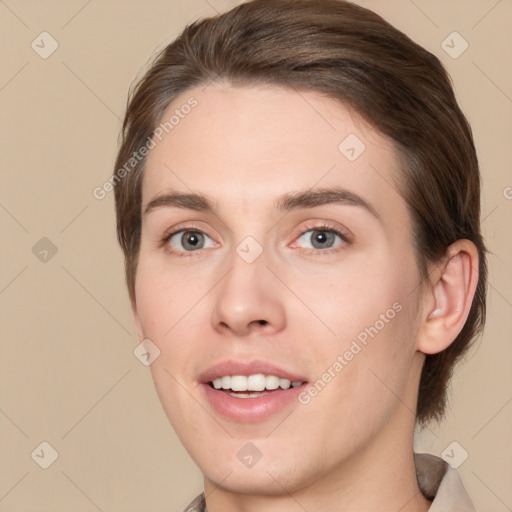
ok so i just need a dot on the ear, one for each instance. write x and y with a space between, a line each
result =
449 296
138 325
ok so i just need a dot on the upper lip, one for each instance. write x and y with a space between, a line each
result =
232 367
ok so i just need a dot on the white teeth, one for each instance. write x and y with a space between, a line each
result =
256 382
251 394
272 382
284 383
239 383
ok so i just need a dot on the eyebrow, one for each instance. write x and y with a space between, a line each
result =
296 200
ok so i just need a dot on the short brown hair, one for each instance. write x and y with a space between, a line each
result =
351 54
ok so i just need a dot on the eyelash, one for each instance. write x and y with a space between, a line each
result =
322 227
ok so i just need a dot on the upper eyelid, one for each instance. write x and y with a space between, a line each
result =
321 226
187 226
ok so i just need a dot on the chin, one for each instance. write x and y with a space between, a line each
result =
252 481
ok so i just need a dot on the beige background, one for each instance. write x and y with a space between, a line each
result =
68 375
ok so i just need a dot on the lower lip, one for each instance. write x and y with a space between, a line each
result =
250 409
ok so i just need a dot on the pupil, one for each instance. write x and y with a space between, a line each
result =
192 239
321 237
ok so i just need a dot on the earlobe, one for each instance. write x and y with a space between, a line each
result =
452 290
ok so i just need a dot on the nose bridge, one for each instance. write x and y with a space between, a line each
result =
247 297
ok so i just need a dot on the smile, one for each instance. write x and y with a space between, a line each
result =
253 383
249 391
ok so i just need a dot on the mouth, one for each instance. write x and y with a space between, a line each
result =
252 386
250 391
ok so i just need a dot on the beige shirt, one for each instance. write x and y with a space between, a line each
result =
436 479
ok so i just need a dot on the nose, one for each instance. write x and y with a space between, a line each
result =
249 299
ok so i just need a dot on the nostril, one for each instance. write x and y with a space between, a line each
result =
262 322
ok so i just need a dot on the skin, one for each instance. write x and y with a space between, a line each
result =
350 447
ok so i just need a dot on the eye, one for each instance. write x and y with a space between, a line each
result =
322 238
188 240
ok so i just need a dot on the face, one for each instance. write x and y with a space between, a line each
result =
297 266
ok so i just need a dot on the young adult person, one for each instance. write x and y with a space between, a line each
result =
298 202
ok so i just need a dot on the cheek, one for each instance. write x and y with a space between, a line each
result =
169 307
374 317
369 386
164 297
357 303
381 354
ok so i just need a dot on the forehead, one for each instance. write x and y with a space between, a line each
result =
247 146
